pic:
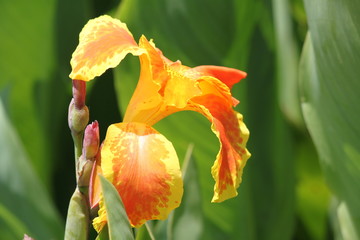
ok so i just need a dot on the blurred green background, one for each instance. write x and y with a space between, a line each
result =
300 102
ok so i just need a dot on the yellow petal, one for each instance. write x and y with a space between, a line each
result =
163 87
100 221
143 166
103 43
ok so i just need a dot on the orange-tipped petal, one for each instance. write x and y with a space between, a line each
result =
229 76
143 166
103 43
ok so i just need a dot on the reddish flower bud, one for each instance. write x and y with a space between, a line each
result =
91 140
79 93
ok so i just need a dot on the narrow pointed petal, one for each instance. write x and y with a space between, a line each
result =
143 166
103 43
229 76
94 185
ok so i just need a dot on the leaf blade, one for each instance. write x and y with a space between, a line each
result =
329 90
118 223
21 191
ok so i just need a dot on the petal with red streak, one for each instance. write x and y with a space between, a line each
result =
229 127
143 166
103 43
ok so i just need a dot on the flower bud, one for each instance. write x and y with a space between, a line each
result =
84 175
77 118
91 140
79 93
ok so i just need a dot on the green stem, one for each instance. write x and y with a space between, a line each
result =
78 145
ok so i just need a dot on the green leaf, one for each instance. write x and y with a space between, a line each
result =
77 221
313 195
34 65
247 16
287 63
146 232
118 222
189 215
188 18
330 90
24 203
342 221
104 234
25 69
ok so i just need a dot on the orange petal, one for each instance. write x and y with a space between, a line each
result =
143 166
166 87
103 43
229 127
229 76
94 185
163 87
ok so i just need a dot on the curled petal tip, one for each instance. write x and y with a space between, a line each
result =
228 76
103 43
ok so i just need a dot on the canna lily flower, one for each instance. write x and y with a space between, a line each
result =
140 162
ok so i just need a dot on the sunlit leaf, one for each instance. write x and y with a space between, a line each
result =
330 90
118 223
344 225
287 62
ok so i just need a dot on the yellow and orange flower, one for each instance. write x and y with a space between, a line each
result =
140 162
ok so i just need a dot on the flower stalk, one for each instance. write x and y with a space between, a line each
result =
86 145
78 118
